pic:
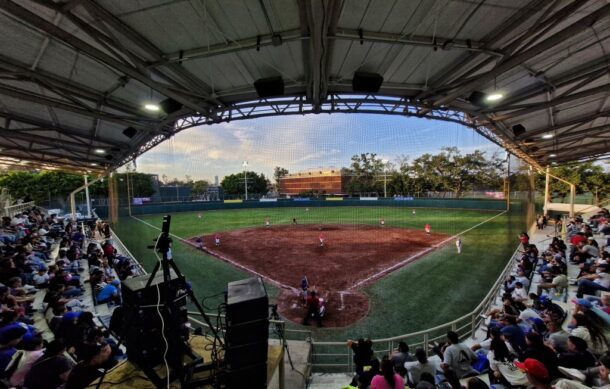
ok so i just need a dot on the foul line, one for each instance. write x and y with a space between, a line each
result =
238 265
419 254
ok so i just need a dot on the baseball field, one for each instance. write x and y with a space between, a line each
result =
378 280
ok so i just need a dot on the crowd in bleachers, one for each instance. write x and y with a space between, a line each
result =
551 329
53 273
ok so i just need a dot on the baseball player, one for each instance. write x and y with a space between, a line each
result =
304 287
199 215
294 220
217 240
267 222
458 245
322 238
428 228
382 222
200 244
413 212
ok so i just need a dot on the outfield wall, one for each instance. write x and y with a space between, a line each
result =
480 204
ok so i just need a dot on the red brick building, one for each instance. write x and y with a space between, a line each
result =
323 181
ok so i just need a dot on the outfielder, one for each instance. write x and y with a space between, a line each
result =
458 245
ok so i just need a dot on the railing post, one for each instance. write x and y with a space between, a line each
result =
349 360
425 343
473 324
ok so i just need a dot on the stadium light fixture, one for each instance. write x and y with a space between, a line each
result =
93 164
552 155
100 151
547 136
151 107
494 97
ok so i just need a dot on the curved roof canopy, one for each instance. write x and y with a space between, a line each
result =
75 74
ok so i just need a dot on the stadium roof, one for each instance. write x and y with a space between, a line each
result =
76 74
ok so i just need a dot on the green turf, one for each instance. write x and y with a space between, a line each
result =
438 288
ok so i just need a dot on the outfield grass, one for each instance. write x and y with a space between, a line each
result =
438 288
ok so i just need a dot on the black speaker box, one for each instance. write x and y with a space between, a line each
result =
366 82
269 87
247 334
130 132
170 106
247 301
477 98
142 324
252 376
518 130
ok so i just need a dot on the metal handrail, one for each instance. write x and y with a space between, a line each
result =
473 317
599 205
12 210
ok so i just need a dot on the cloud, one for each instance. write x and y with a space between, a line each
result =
301 142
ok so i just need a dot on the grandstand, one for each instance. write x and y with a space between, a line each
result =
470 279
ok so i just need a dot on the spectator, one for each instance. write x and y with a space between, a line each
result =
419 367
501 363
537 350
537 373
590 284
10 336
556 338
88 369
458 356
582 327
363 353
402 355
577 356
476 383
51 370
23 363
388 379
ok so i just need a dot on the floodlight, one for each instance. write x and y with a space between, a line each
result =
151 107
547 136
99 151
494 97
552 155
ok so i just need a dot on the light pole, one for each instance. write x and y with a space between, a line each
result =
385 178
245 165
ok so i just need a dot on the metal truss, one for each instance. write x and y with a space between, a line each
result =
336 103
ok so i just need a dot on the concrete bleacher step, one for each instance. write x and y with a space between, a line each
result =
329 380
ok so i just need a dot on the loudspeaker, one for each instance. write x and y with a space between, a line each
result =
170 106
130 132
247 334
477 98
141 322
366 82
518 130
269 87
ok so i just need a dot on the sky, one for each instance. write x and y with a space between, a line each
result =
302 142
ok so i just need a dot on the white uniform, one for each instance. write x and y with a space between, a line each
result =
458 245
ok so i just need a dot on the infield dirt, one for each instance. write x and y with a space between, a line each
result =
352 256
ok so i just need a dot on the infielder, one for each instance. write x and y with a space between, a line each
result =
217 240
428 229
382 222
322 238
458 245
267 222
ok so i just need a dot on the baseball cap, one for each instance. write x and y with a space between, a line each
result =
533 367
11 332
583 303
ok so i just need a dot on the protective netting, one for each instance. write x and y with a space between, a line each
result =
373 209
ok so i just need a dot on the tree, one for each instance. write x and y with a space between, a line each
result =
366 169
233 184
588 178
278 173
199 187
141 184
